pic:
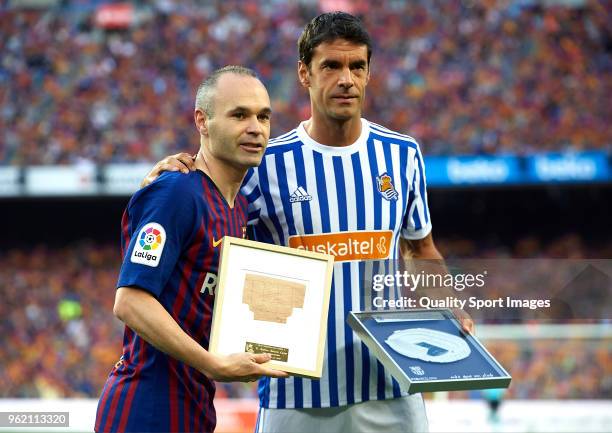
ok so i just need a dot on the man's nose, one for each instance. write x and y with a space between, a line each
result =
346 78
254 126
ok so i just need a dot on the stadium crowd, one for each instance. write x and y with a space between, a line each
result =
61 339
463 77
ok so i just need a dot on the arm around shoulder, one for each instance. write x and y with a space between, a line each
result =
182 162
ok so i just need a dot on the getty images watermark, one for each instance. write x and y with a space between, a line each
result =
403 282
493 289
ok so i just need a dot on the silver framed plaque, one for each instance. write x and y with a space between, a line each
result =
426 350
272 299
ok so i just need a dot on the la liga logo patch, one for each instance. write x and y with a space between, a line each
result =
149 245
150 239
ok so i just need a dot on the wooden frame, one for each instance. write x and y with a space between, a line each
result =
273 299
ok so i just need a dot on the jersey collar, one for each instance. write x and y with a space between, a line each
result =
335 150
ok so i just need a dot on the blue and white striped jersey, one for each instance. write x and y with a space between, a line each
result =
353 202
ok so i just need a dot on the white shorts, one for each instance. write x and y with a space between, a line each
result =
405 414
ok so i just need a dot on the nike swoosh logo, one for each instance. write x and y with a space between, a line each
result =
216 243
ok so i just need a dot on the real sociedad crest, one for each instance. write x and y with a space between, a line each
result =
384 183
417 370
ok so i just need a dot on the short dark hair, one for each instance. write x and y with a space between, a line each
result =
206 90
328 27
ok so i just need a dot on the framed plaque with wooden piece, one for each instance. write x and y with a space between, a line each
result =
272 299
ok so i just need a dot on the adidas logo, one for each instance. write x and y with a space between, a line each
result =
299 194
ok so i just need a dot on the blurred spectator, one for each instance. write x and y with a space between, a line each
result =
462 77
554 369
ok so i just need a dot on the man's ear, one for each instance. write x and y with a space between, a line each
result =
201 121
303 74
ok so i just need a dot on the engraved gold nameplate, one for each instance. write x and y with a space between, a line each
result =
277 353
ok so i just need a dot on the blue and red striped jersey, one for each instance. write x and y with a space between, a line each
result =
170 244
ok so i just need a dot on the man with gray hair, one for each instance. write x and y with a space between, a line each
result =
171 229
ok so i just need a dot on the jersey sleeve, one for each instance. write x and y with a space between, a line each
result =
250 189
417 222
160 223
